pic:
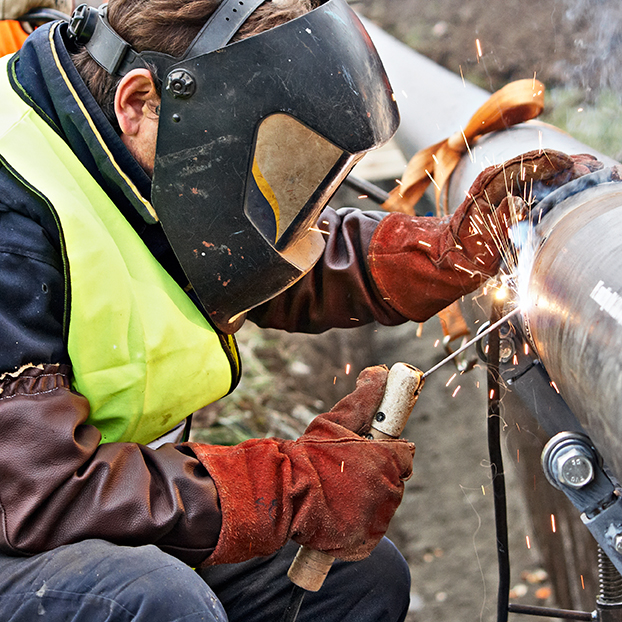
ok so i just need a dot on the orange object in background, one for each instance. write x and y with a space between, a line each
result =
12 36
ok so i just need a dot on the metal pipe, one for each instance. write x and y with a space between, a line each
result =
574 311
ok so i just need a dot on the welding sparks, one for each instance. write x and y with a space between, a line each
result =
319 230
347 369
478 45
501 293
456 391
553 529
582 582
363 196
432 179
342 463
459 267
466 142
451 380
554 386
528 541
516 250
425 244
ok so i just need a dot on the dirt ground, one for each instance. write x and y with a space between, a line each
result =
445 526
564 42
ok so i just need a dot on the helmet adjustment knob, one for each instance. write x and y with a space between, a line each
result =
180 84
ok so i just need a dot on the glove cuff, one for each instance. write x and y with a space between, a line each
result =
419 268
250 479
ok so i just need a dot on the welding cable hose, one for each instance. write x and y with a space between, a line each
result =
496 465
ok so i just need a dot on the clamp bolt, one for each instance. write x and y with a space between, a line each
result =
507 349
380 417
617 543
574 469
181 84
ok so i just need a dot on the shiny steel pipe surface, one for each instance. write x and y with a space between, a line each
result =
574 310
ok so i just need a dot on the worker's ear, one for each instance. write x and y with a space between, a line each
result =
136 101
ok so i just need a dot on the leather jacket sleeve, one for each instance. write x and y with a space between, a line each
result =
60 486
57 483
339 291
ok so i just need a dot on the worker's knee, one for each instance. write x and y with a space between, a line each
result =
376 588
95 581
388 582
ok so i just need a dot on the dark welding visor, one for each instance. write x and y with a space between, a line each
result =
253 140
281 199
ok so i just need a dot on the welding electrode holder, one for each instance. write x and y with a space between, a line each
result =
404 383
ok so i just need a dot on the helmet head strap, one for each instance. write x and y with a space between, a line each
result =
90 27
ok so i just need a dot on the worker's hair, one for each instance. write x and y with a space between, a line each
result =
169 26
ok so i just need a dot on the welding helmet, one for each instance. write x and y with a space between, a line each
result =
254 138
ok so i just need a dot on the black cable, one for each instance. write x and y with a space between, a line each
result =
373 192
565 614
496 465
504 607
293 606
43 15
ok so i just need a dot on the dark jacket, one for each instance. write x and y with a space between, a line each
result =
58 485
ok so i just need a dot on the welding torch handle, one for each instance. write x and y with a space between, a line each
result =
404 383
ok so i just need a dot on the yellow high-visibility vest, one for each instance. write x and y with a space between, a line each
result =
142 353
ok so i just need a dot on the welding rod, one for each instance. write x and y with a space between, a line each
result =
475 339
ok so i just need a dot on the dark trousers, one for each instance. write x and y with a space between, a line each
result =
95 581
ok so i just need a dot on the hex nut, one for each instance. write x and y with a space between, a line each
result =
574 468
507 349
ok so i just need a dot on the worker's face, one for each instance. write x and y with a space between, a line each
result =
136 106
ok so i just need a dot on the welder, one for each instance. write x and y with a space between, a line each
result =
165 167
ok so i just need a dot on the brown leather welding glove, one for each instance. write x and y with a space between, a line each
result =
420 265
330 489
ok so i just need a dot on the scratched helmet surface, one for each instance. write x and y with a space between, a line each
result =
254 138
